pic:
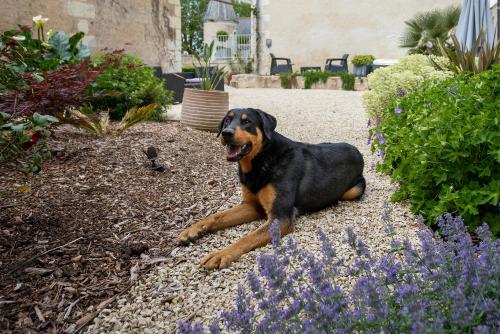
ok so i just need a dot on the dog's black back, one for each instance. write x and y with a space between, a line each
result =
318 174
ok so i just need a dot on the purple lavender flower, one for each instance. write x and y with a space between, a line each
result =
400 92
381 153
369 123
378 121
447 284
369 140
398 111
454 88
380 137
372 166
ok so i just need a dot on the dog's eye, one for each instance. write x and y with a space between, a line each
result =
227 121
245 121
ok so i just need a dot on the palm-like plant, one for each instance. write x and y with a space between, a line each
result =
210 76
426 28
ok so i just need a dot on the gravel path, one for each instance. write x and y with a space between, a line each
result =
179 289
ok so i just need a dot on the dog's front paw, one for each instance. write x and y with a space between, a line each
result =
190 234
219 260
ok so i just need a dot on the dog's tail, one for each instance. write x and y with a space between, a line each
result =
356 191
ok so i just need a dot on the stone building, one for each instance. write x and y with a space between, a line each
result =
311 31
220 16
150 29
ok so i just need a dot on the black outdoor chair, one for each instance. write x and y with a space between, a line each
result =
179 81
337 67
281 68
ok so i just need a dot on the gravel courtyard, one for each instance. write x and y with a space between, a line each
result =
178 289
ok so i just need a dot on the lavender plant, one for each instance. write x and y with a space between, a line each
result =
447 285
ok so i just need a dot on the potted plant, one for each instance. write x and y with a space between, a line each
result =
204 107
361 63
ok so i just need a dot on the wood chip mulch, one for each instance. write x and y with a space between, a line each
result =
71 236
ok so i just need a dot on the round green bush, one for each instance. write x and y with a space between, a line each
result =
363 60
442 143
127 83
406 76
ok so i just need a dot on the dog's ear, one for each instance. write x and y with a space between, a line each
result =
221 124
268 122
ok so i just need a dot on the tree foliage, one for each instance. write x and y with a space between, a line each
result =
242 9
192 24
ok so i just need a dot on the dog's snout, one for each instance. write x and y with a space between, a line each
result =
228 133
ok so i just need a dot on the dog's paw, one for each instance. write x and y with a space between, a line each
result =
190 234
219 260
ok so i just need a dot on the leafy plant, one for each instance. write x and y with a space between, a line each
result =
312 77
442 143
66 49
126 83
288 79
23 143
98 124
211 76
480 57
188 69
52 93
363 60
404 77
447 285
348 80
20 53
222 33
427 29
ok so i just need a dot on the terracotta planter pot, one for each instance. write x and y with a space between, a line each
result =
204 109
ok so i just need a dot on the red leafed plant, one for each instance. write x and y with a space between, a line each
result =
58 91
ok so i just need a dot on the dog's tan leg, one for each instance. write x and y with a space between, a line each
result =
248 211
240 214
258 238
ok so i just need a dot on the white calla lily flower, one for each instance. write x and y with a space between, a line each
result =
39 21
19 38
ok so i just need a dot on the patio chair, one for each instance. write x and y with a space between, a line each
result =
342 67
179 81
281 68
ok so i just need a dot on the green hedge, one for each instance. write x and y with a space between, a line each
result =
442 143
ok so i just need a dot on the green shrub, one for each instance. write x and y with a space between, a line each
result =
404 77
348 80
222 33
363 60
188 69
312 77
442 143
127 83
288 79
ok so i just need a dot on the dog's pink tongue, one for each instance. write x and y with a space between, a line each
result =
233 151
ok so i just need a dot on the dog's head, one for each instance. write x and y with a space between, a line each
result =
244 132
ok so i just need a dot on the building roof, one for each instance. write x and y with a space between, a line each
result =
244 26
220 10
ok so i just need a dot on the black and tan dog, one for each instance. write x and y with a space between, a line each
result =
279 178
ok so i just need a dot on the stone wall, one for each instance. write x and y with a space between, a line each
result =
311 31
150 29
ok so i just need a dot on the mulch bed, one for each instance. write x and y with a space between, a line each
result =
70 236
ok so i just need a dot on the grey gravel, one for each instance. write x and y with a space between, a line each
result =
179 289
